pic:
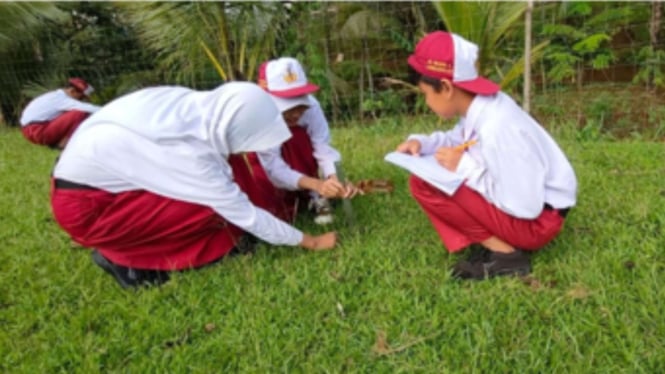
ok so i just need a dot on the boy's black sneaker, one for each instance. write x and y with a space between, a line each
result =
129 277
477 253
493 264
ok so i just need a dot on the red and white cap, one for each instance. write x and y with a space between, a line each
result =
82 86
285 79
449 56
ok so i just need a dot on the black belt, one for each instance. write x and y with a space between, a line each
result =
562 212
67 185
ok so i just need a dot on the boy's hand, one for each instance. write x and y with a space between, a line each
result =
351 191
448 157
320 242
331 188
411 147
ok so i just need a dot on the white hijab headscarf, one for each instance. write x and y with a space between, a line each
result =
236 117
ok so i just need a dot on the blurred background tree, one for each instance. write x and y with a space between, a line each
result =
23 39
356 51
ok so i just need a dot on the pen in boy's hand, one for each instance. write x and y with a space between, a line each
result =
466 145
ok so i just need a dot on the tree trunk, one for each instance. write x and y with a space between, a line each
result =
421 25
334 96
654 23
543 71
526 99
225 43
370 82
361 84
654 27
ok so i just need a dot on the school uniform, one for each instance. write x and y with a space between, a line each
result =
518 182
53 116
146 179
276 172
307 152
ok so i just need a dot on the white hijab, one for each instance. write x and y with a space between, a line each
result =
236 117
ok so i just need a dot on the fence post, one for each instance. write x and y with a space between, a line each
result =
526 95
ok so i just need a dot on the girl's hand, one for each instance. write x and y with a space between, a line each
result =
320 242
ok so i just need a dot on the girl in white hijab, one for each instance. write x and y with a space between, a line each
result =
145 180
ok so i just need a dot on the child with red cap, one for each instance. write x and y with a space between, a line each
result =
51 118
295 165
517 183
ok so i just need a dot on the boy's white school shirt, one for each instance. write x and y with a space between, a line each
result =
316 125
515 164
47 106
174 142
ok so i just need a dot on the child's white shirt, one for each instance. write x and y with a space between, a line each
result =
316 125
47 106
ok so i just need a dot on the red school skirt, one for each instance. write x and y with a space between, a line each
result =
466 217
143 230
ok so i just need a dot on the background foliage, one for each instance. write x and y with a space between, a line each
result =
356 51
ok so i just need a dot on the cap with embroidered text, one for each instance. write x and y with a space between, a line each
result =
449 56
285 77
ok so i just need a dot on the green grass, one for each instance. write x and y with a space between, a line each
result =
382 302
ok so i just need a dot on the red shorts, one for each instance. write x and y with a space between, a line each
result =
52 132
466 218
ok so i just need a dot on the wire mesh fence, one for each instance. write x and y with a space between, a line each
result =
592 64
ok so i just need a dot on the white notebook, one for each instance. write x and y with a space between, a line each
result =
427 169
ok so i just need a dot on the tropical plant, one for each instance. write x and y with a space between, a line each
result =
494 27
652 57
366 26
309 39
581 36
21 26
85 39
200 43
23 21
105 51
651 72
348 48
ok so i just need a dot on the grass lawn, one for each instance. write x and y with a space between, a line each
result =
382 302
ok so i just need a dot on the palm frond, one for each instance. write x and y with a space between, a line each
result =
20 21
192 40
517 68
214 61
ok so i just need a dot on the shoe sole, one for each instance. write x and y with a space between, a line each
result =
513 272
323 220
519 272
